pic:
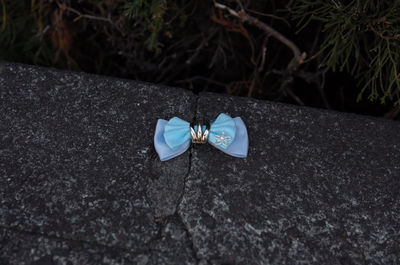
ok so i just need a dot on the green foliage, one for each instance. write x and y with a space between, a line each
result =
150 14
362 37
195 45
31 33
21 33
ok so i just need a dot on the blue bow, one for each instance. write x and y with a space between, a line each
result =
173 137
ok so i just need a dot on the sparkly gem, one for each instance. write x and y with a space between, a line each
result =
222 139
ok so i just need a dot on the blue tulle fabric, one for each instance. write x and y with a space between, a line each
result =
222 131
227 134
163 150
176 132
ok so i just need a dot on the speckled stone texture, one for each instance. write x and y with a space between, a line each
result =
317 187
79 186
77 163
170 247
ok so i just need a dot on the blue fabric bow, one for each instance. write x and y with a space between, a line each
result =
173 137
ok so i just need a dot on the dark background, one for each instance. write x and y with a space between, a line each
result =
190 44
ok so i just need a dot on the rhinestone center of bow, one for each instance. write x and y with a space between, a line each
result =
199 137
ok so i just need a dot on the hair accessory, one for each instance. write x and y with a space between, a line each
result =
198 137
227 134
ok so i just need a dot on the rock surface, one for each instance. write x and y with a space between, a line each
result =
77 160
317 187
80 182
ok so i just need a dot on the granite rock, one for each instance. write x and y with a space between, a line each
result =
318 187
30 248
77 160
80 182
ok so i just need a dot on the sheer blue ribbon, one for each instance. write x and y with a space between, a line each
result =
172 138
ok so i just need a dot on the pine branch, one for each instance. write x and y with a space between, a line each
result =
298 57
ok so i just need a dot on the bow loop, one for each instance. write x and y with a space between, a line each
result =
176 132
222 131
